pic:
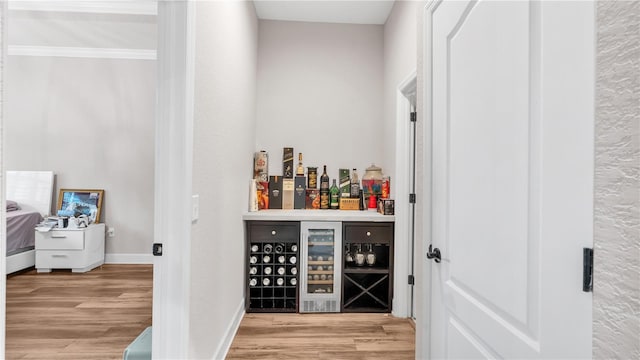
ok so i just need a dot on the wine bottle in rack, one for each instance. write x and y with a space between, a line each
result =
267 271
279 248
294 271
280 281
254 248
266 281
253 259
281 270
253 282
281 259
293 260
294 247
293 281
266 259
253 270
268 248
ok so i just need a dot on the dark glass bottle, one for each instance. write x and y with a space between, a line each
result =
324 179
324 190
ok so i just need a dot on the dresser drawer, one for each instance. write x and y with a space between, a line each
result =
368 232
59 259
273 231
60 240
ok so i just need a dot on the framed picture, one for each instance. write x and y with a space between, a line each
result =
85 202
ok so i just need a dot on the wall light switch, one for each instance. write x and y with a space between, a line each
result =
111 231
195 207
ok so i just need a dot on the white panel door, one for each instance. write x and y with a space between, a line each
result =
509 87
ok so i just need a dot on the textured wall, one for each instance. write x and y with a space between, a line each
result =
90 120
320 91
224 142
616 296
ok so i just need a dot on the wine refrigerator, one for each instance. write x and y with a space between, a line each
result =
321 261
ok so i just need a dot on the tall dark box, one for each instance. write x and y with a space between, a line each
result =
287 163
275 192
299 192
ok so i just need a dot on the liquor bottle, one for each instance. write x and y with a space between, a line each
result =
355 184
324 190
300 169
324 179
335 196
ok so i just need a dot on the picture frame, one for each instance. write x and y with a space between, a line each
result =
84 201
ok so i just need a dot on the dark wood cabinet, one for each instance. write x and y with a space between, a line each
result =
367 271
273 258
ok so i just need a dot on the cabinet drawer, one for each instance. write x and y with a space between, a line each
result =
59 259
60 240
270 231
368 233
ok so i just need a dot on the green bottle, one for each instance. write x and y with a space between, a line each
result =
335 195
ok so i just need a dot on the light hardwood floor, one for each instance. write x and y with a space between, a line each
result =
323 336
61 315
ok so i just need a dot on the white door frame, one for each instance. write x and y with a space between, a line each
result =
3 211
423 269
402 290
173 178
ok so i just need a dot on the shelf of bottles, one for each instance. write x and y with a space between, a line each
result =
272 275
320 291
367 268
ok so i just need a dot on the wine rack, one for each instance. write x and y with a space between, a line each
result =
367 267
273 260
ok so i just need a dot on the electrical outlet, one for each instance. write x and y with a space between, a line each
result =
111 232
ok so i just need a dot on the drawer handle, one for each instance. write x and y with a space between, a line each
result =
59 256
273 232
58 236
368 233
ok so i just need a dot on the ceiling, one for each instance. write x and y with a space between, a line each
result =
329 11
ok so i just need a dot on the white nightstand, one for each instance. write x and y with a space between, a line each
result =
77 249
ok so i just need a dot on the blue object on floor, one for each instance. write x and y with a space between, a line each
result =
140 348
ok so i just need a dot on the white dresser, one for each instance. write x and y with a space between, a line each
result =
77 249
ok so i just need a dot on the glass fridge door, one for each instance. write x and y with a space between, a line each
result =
321 261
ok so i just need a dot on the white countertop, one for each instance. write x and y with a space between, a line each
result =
318 215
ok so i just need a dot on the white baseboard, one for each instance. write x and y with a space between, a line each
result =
128 259
225 344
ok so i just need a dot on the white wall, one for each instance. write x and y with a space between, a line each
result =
320 92
616 284
224 142
90 120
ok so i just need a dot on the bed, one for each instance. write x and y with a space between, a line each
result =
31 192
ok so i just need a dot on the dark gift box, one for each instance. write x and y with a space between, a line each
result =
287 162
275 192
299 192
313 199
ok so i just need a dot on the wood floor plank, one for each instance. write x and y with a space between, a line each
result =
323 336
89 316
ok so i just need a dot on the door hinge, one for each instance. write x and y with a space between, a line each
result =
587 270
157 249
412 280
414 117
412 198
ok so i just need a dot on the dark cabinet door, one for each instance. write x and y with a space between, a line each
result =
367 271
273 265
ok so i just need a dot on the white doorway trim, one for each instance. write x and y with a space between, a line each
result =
405 99
173 178
3 181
